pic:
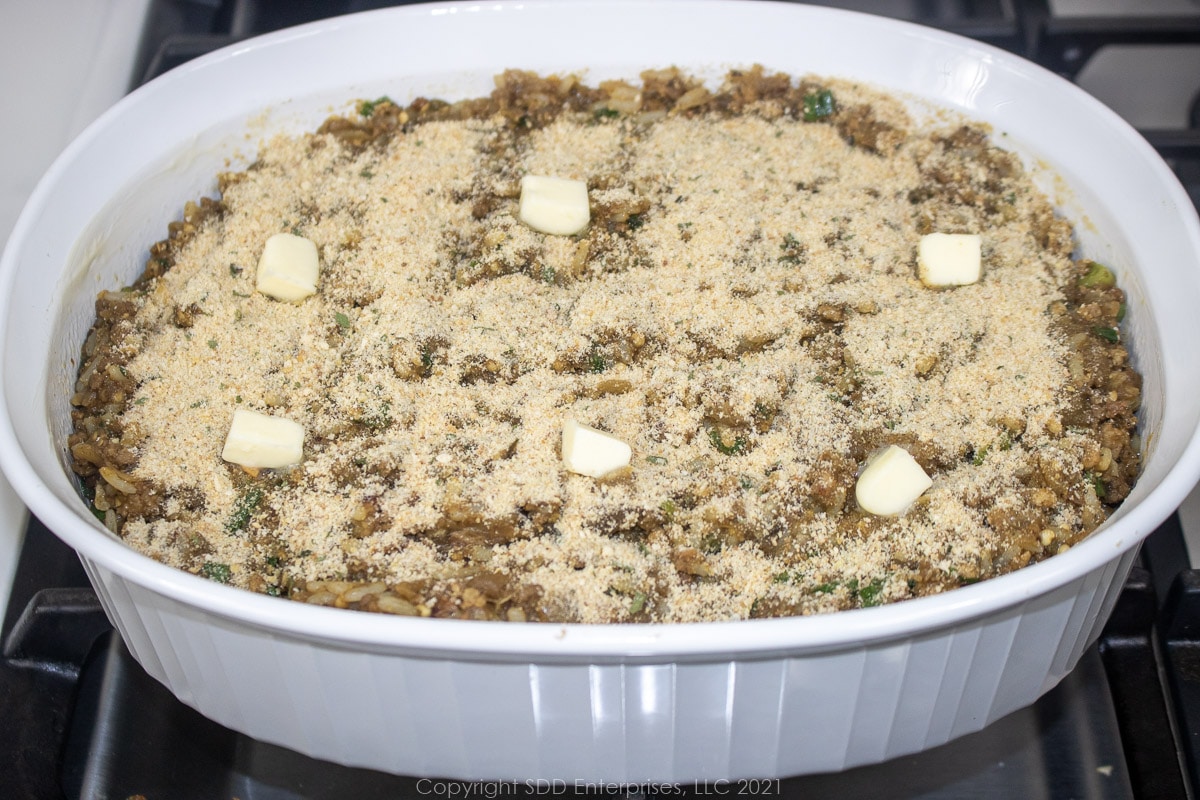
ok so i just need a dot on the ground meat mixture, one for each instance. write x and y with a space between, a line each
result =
743 310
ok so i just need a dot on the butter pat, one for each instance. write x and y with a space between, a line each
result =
949 259
259 440
591 452
557 206
890 483
287 269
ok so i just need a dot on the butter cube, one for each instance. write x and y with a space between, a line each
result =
949 259
557 206
890 483
591 452
287 269
259 440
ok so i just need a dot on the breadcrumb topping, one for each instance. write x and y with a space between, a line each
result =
743 311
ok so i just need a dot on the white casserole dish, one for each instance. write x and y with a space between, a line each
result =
619 703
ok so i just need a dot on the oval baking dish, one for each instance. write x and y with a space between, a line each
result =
614 702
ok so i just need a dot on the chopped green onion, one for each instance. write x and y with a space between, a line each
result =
639 602
1098 276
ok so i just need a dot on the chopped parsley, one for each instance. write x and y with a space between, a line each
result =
367 107
342 320
378 419
668 508
792 250
216 572
596 361
1107 334
244 509
737 448
819 105
868 595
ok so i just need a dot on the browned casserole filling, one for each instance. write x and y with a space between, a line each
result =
743 310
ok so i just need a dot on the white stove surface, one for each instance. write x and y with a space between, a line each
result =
64 62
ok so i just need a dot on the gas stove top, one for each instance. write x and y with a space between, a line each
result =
85 721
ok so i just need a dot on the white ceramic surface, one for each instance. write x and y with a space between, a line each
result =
623 703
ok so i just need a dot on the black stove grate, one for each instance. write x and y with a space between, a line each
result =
85 721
